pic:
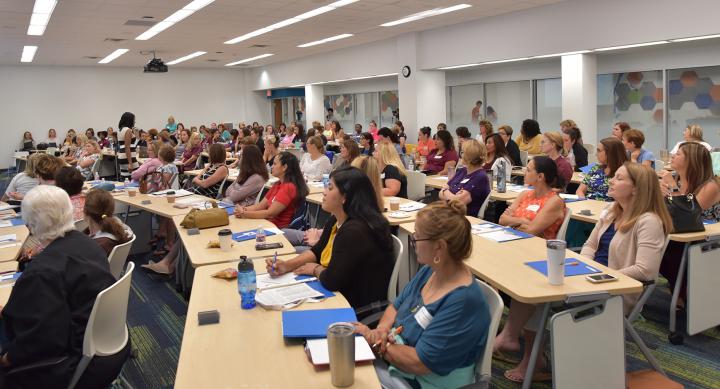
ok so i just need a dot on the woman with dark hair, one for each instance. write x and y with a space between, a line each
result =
127 152
209 182
27 142
577 155
619 129
360 272
336 128
103 226
272 144
538 211
251 180
367 143
529 139
610 155
388 136
425 143
283 198
299 133
497 152
463 134
349 150
71 181
443 157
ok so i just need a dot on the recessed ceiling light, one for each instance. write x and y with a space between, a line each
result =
248 59
177 16
695 38
459 66
631 46
293 20
42 10
504 61
426 14
562 54
113 55
28 53
326 40
187 57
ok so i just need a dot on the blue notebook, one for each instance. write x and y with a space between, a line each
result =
248 235
570 270
707 222
18 221
586 169
316 285
313 323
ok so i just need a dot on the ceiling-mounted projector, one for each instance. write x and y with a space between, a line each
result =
156 65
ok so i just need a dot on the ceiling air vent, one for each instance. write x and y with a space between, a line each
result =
91 57
212 60
260 46
115 40
143 23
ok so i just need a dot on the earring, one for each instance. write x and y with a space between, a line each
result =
436 260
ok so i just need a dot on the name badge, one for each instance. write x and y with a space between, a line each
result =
438 157
423 317
533 208
382 176
465 181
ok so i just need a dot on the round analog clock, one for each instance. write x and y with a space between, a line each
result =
406 71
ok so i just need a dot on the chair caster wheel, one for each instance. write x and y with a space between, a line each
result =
675 338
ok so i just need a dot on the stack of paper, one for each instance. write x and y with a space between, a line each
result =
482 228
178 192
284 291
497 233
412 206
317 350
8 240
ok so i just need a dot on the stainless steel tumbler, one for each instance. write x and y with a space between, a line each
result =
341 349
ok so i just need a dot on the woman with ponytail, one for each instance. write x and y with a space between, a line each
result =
103 227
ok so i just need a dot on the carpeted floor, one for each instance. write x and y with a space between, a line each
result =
156 318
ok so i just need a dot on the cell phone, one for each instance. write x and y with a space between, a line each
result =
600 278
268 246
208 317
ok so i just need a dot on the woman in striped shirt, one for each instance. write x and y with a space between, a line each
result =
127 152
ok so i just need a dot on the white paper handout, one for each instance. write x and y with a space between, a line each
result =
178 192
279 298
500 236
483 228
266 281
412 206
317 349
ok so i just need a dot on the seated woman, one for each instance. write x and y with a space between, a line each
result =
90 155
693 133
694 175
463 135
71 181
349 150
633 140
46 166
192 152
103 226
209 182
23 181
387 135
538 211
610 155
505 132
272 143
27 143
392 171
440 352
577 155
529 138
551 144
470 184
251 179
79 142
367 143
284 197
425 144
183 137
151 164
50 304
360 272
628 238
443 157
497 152
315 163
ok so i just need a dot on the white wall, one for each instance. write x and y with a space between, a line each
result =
362 86
38 98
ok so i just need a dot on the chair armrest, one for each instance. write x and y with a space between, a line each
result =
43 364
371 310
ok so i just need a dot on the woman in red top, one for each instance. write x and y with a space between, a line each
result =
425 143
283 199
443 157
552 146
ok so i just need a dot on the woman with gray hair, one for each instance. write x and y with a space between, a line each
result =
50 304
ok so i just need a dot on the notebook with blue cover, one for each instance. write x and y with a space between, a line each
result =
248 235
18 221
708 222
586 169
580 267
313 323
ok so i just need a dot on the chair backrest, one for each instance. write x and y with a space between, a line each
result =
81 225
523 157
330 155
118 256
715 156
415 185
300 218
563 227
590 148
398 254
96 165
221 189
495 304
659 165
483 208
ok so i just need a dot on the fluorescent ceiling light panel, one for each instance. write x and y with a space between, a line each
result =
326 40
562 54
187 57
248 59
113 55
631 46
695 38
426 14
355 78
459 66
504 61
177 16
28 53
293 20
42 10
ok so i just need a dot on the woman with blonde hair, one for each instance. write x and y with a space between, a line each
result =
23 181
693 133
315 163
171 125
470 185
90 155
552 145
75 155
192 152
393 173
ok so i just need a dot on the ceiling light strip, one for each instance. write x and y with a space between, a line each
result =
248 59
290 21
113 55
695 38
42 10
354 79
187 57
425 14
28 53
176 17
633 45
326 40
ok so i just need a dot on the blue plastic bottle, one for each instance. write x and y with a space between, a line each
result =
247 283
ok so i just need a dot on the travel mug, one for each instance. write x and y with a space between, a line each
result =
556 261
225 237
341 349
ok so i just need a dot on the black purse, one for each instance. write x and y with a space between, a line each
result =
686 213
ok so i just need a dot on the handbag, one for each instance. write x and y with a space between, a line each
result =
686 213
206 218
156 179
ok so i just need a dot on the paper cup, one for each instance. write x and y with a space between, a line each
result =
170 199
132 192
394 204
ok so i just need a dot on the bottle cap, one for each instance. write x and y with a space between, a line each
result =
245 264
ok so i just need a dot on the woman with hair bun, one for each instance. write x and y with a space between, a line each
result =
103 227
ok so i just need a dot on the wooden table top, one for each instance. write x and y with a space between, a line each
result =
250 340
316 198
200 255
502 265
158 204
10 253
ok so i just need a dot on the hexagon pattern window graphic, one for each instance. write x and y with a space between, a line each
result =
632 89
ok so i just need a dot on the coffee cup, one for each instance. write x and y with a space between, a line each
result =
394 204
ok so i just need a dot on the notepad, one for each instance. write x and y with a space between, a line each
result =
570 198
579 269
504 235
412 206
317 285
286 297
313 323
317 351
483 228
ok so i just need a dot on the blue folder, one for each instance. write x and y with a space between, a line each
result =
707 222
572 200
18 221
316 285
570 270
313 323
248 235
586 169
518 233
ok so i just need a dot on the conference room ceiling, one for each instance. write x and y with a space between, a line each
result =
81 32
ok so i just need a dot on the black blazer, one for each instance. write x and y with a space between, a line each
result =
581 156
514 152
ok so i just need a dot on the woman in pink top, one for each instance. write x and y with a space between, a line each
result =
373 130
151 164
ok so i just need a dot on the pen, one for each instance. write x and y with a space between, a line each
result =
572 263
274 261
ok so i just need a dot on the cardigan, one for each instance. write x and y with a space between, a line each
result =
636 253
360 263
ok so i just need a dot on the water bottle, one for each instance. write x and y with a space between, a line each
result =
126 183
97 176
410 163
501 177
325 180
260 235
247 283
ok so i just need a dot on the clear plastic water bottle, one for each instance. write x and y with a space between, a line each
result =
410 163
96 176
501 177
260 235
325 180
247 283
126 183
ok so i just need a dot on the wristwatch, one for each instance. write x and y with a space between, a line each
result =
675 190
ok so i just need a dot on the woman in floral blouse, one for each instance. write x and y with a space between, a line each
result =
610 155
